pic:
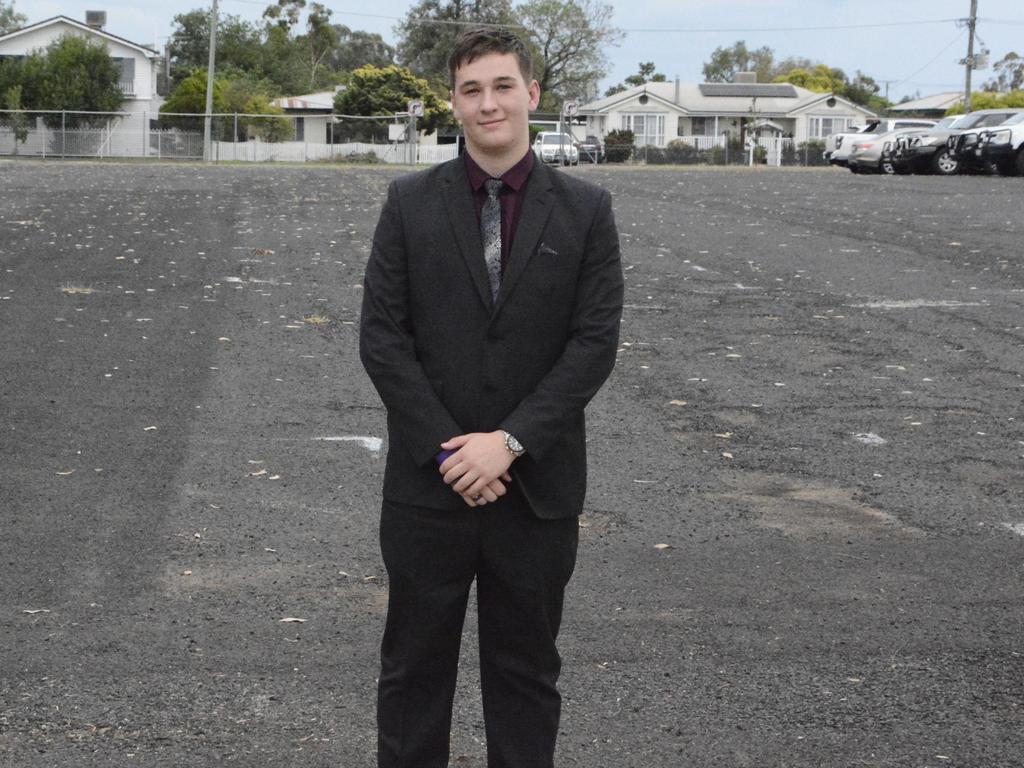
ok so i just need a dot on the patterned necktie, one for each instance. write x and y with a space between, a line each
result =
490 233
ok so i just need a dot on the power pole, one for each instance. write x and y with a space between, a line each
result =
207 122
969 61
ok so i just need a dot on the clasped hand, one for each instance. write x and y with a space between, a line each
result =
478 468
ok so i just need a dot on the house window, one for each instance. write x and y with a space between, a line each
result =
703 126
300 129
647 129
126 75
820 127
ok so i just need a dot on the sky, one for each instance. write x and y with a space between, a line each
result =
914 45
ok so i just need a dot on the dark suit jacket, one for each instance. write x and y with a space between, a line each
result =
447 360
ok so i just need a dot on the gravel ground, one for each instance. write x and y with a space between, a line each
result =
802 544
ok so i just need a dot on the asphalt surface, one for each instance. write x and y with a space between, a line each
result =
804 537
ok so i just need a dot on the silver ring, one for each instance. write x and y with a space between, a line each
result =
477 497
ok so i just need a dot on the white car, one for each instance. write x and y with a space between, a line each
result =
555 147
838 145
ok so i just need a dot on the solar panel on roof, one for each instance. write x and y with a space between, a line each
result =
749 90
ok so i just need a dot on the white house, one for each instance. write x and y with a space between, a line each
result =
702 113
139 66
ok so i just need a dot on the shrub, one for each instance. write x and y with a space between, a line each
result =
618 146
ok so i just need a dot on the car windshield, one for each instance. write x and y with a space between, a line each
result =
977 121
554 138
946 122
1015 120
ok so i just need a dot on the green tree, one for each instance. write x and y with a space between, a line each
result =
320 40
357 49
10 19
239 44
234 94
428 33
569 37
385 91
820 79
991 100
1009 74
726 62
645 74
15 119
78 75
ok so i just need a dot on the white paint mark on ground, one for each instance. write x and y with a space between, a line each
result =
869 438
916 304
1017 528
372 444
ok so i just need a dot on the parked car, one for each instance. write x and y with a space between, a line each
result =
591 150
931 152
837 145
1003 147
872 153
555 147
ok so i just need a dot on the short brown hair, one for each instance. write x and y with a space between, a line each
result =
475 43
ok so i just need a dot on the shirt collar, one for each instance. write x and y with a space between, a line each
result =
515 177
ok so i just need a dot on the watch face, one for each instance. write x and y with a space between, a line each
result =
513 445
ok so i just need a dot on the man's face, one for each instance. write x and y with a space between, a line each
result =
493 103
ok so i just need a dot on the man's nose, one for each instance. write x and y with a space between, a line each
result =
488 102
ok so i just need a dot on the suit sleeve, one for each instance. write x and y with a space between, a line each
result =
589 356
387 344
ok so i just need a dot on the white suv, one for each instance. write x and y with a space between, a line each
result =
555 147
1003 146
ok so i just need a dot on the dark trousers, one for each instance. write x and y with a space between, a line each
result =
521 565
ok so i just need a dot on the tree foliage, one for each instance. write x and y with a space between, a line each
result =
991 100
430 29
644 74
725 63
291 56
72 74
238 44
236 94
386 90
797 70
569 37
356 49
1009 74
10 19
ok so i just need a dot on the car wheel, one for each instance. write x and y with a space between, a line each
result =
1020 161
944 163
1007 167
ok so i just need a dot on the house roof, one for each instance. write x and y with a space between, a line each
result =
149 52
767 100
940 101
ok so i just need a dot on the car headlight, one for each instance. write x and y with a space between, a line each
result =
999 137
931 141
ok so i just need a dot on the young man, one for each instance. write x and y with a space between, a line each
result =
490 318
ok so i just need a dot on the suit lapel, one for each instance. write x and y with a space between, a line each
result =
532 220
462 216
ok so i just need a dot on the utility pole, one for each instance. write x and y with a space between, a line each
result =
969 61
207 145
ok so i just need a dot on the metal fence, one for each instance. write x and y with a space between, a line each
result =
236 138
721 150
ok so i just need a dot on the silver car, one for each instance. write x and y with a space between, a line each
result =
872 152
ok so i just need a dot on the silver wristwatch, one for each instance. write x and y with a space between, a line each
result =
513 445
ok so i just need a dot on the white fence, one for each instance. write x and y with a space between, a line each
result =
139 135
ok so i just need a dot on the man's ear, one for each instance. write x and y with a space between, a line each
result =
534 91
